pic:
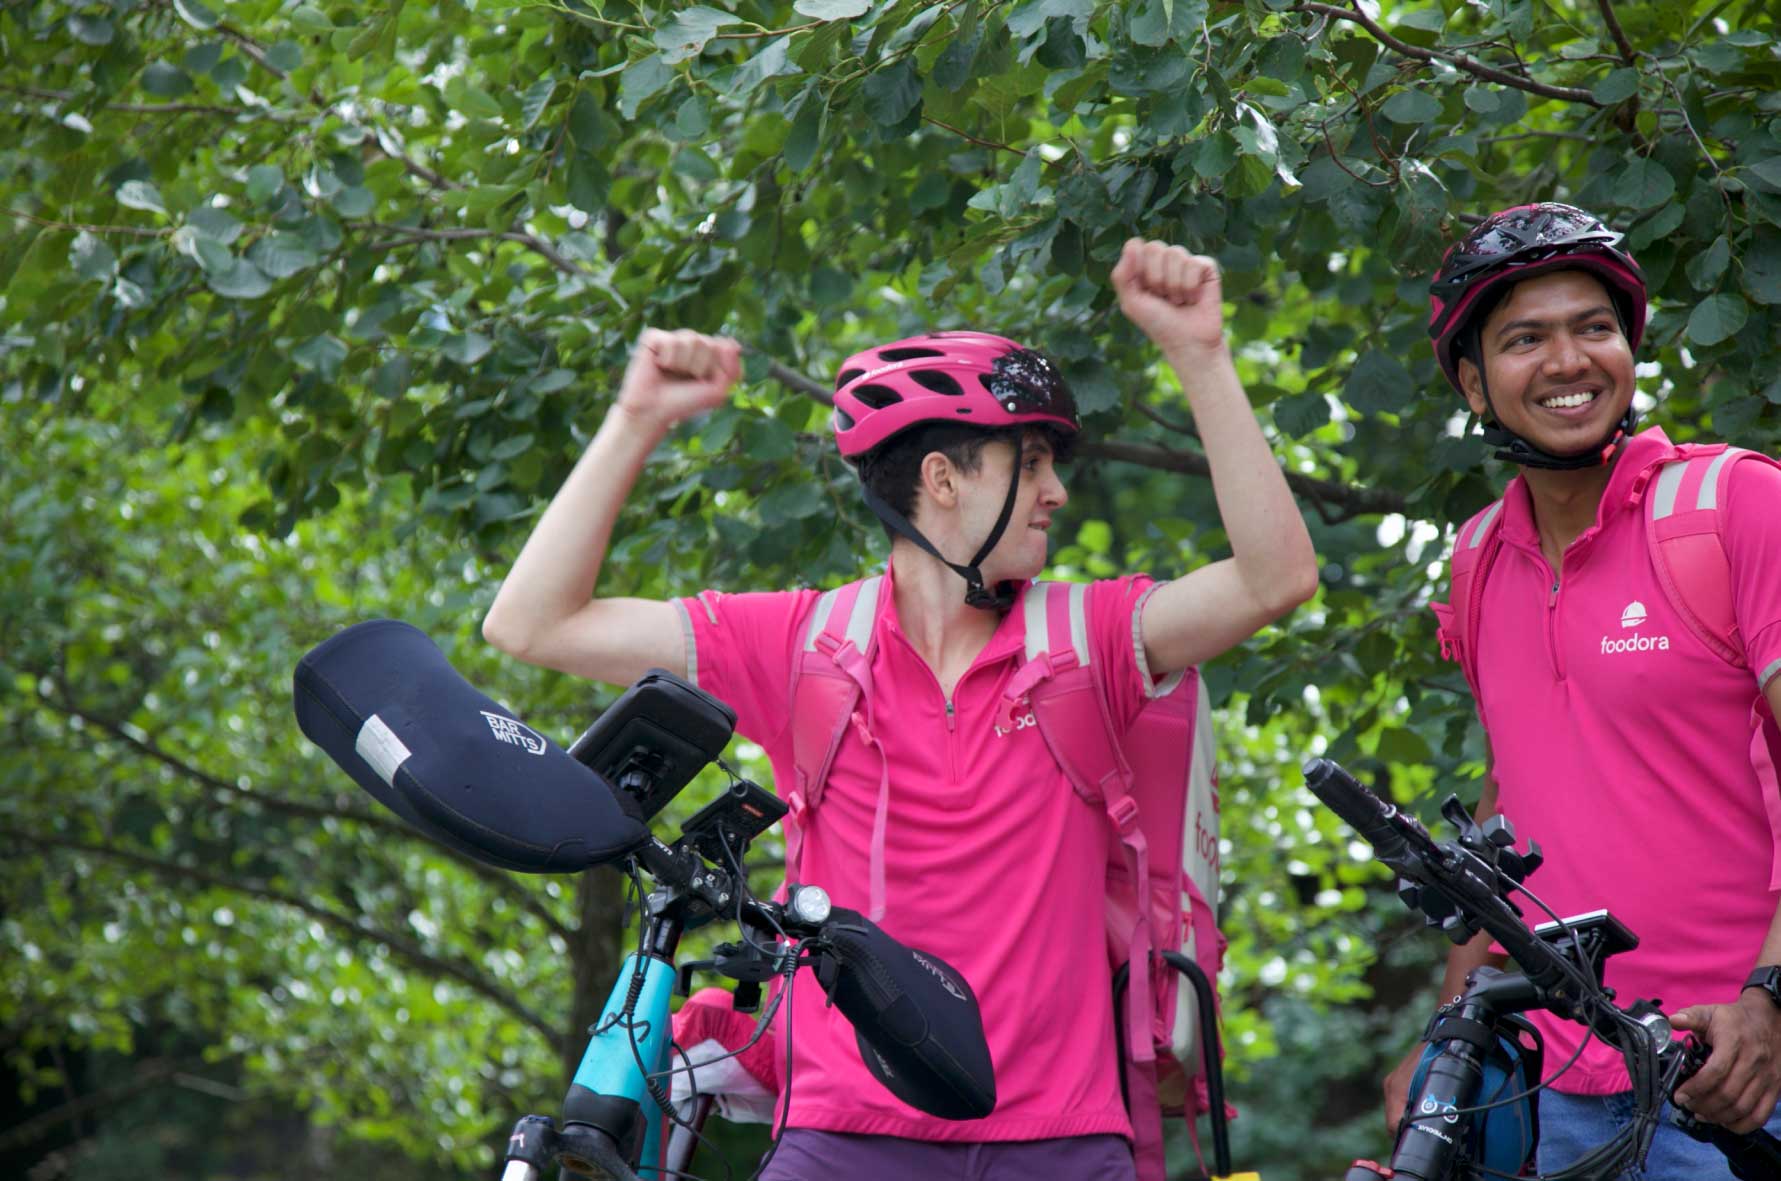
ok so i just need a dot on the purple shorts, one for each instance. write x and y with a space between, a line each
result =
806 1155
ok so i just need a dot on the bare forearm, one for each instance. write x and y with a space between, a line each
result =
1268 538
559 566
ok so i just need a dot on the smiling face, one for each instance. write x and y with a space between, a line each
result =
1559 369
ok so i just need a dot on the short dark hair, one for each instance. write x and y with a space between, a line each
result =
892 470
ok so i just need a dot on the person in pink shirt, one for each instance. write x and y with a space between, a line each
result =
962 835
1639 759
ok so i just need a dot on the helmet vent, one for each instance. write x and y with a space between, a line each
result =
937 380
877 396
843 420
847 375
908 354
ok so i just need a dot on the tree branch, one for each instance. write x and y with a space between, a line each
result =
1627 53
496 879
1350 501
147 1075
354 929
1461 61
133 231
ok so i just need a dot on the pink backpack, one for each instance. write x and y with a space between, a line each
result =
1156 783
1683 493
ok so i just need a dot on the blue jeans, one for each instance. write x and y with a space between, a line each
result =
1572 1125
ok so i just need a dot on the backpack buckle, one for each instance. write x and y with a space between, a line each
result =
1124 814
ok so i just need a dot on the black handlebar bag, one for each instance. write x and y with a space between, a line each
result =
383 702
919 1029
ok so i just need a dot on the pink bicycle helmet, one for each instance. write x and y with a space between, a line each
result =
969 377
973 378
1517 244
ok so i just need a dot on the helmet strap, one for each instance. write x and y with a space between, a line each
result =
976 594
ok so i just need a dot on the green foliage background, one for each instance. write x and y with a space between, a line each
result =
305 308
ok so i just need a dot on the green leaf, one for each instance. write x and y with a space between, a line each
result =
1762 270
1717 318
1301 414
1482 99
772 61
806 133
1411 107
467 348
1705 268
1030 18
353 201
213 256
216 224
685 36
1617 87
282 255
284 56
243 280
892 93
307 18
90 30
533 102
91 257
791 502
471 100
195 14
1769 171
642 80
550 383
831 10
140 194
1644 183
321 354
263 180
1378 382
165 80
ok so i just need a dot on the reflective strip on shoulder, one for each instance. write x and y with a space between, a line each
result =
1484 523
692 644
1767 674
1709 495
825 603
1079 621
865 613
1168 684
1038 621
1669 482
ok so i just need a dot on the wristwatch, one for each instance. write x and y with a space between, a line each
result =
1768 978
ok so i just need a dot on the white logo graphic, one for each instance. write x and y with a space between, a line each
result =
1020 723
941 976
1635 644
1634 614
515 732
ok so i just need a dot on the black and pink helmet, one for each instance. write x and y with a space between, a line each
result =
974 378
1517 244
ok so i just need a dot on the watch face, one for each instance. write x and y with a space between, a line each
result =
1767 978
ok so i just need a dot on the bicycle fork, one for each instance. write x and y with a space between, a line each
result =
612 1123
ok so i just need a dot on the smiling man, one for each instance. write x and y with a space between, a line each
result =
1636 744
955 827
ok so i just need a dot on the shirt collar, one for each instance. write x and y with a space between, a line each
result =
1010 635
1637 456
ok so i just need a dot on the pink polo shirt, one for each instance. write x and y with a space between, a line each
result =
1622 745
992 860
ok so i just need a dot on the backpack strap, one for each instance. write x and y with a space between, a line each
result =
1058 679
1683 527
831 690
1474 552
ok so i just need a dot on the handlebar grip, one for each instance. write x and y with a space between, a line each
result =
1365 812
